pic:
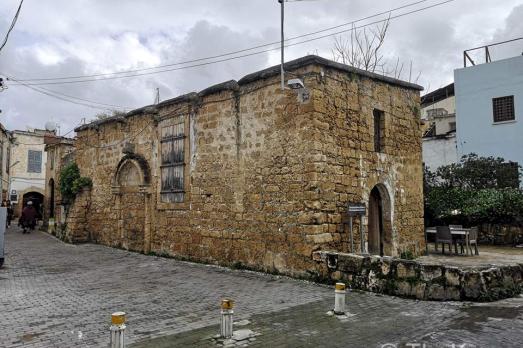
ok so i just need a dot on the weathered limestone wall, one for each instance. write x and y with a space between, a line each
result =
98 152
5 161
58 155
269 174
75 229
347 167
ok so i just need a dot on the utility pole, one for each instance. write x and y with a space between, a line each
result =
282 45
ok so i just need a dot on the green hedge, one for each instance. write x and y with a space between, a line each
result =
472 207
474 191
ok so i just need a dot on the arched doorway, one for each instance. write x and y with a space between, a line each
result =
379 222
131 185
51 198
38 200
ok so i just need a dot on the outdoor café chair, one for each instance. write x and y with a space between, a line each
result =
458 239
473 239
444 236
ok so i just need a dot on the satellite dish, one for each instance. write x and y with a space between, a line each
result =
50 126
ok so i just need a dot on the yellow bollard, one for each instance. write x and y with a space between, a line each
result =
226 318
339 298
118 330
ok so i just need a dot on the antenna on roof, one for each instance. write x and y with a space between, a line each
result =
157 98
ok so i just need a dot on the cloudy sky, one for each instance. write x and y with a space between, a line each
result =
64 38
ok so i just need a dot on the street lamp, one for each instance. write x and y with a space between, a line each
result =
294 83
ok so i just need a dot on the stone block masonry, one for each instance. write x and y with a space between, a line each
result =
408 278
245 174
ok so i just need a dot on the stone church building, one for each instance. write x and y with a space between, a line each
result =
245 174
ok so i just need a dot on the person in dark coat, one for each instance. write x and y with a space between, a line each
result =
9 207
28 218
4 204
10 213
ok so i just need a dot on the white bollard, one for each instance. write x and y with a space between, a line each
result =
226 319
118 330
339 298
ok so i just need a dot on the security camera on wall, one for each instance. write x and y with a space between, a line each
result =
295 84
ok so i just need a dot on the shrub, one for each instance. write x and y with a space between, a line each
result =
71 182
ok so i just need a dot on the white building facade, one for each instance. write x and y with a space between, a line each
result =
438 112
489 107
27 174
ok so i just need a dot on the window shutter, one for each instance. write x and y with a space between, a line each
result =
34 161
173 161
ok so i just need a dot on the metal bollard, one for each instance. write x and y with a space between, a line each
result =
339 298
118 330
226 319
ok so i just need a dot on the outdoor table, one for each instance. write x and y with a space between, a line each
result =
454 231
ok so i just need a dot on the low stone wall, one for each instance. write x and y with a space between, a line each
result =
422 281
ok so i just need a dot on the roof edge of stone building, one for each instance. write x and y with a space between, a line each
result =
97 123
313 59
231 85
153 108
184 98
64 140
35 133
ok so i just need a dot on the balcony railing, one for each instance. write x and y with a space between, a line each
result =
466 56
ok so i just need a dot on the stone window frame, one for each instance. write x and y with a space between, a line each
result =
378 144
167 121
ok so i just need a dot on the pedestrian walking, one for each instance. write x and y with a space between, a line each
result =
28 218
4 205
10 213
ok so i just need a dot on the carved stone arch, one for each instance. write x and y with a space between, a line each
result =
132 170
131 186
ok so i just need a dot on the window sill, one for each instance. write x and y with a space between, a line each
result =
173 206
504 122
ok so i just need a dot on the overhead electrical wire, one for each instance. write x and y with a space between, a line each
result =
12 25
104 106
110 76
67 98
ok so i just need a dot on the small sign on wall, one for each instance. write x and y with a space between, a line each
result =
356 209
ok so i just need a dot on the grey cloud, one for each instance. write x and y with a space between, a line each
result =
102 36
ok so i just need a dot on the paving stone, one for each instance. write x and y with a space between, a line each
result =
59 295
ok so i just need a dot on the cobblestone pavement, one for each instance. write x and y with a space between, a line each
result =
59 295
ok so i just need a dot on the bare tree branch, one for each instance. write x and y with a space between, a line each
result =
362 49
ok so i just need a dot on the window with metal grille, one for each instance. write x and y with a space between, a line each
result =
173 161
34 161
503 109
379 129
